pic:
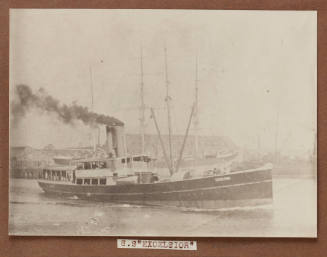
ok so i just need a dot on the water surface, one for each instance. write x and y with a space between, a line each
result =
34 213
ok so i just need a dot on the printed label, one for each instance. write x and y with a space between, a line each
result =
156 244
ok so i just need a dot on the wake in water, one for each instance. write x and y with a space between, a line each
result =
230 209
33 213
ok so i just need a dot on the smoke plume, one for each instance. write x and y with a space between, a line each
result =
25 99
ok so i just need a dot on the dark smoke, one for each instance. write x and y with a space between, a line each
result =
25 100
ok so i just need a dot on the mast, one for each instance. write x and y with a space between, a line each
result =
196 110
168 99
142 106
276 137
92 109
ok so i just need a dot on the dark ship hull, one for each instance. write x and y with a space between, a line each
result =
236 189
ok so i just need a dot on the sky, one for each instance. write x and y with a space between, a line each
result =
257 72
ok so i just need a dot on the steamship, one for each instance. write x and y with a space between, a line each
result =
135 179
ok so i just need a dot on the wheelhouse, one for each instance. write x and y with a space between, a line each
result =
95 171
116 164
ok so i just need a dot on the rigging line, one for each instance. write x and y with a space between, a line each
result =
170 168
184 140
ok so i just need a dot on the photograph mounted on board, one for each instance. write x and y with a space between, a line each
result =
163 123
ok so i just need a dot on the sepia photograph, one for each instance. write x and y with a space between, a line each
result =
170 123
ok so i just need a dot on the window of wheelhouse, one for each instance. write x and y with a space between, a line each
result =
87 165
79 181
102 164
128 161
91 165
141 162
102 181
80 166
94 181
87 181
